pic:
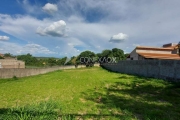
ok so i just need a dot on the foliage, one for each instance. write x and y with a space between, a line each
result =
8 55
116 53
15 78
86 58
41 111
28 59
42 62
51 61
102 57
126 55
1 57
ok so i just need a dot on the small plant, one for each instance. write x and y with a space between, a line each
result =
15 78
46 110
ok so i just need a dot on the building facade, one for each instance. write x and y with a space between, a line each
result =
167 51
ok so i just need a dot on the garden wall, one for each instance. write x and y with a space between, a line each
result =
22 72
163 69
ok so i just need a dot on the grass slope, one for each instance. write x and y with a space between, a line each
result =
91 93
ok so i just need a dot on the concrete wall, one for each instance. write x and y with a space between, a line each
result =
163 69
22 72
11 63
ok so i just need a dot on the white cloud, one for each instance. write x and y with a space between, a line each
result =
16 49
150 23
4 38
29 8
57 29
50 8
36 49
119 37
22 27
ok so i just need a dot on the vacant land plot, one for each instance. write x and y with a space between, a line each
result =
88 93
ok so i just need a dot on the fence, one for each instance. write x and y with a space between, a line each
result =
22 72
163 69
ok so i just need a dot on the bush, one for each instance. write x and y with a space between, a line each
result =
15 78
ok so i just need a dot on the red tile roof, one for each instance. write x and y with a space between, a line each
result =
160 56
155 48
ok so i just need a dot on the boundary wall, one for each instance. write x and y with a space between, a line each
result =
161 69
23 72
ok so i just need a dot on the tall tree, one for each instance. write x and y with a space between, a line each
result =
86 58
28 59
118 53
52 62
103 57
8 55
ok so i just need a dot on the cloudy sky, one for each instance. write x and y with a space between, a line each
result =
61 28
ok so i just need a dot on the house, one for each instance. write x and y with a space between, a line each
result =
11 63
8 62
167 51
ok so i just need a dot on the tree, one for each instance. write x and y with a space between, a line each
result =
86 58
126 55
51 61
28 59
8 55
104 56
106 53
1 57
118 53
113 55
72 61
99 55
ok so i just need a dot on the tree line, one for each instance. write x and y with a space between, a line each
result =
87 58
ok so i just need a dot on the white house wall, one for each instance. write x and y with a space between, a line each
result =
134 55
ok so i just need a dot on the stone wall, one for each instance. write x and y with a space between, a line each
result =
163 69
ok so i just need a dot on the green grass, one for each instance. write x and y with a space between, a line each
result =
88 93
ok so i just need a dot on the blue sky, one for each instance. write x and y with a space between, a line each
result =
61 28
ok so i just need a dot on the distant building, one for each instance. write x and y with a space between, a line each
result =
1 55
11 63
167 51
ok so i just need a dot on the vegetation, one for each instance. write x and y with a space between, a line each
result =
115 52
88 93
6 55
89 58
9 55
126 55
42 62
1 57
86 58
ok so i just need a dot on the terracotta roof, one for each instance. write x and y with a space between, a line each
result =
155 48
160 56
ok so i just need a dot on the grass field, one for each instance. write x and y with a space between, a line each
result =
88 93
